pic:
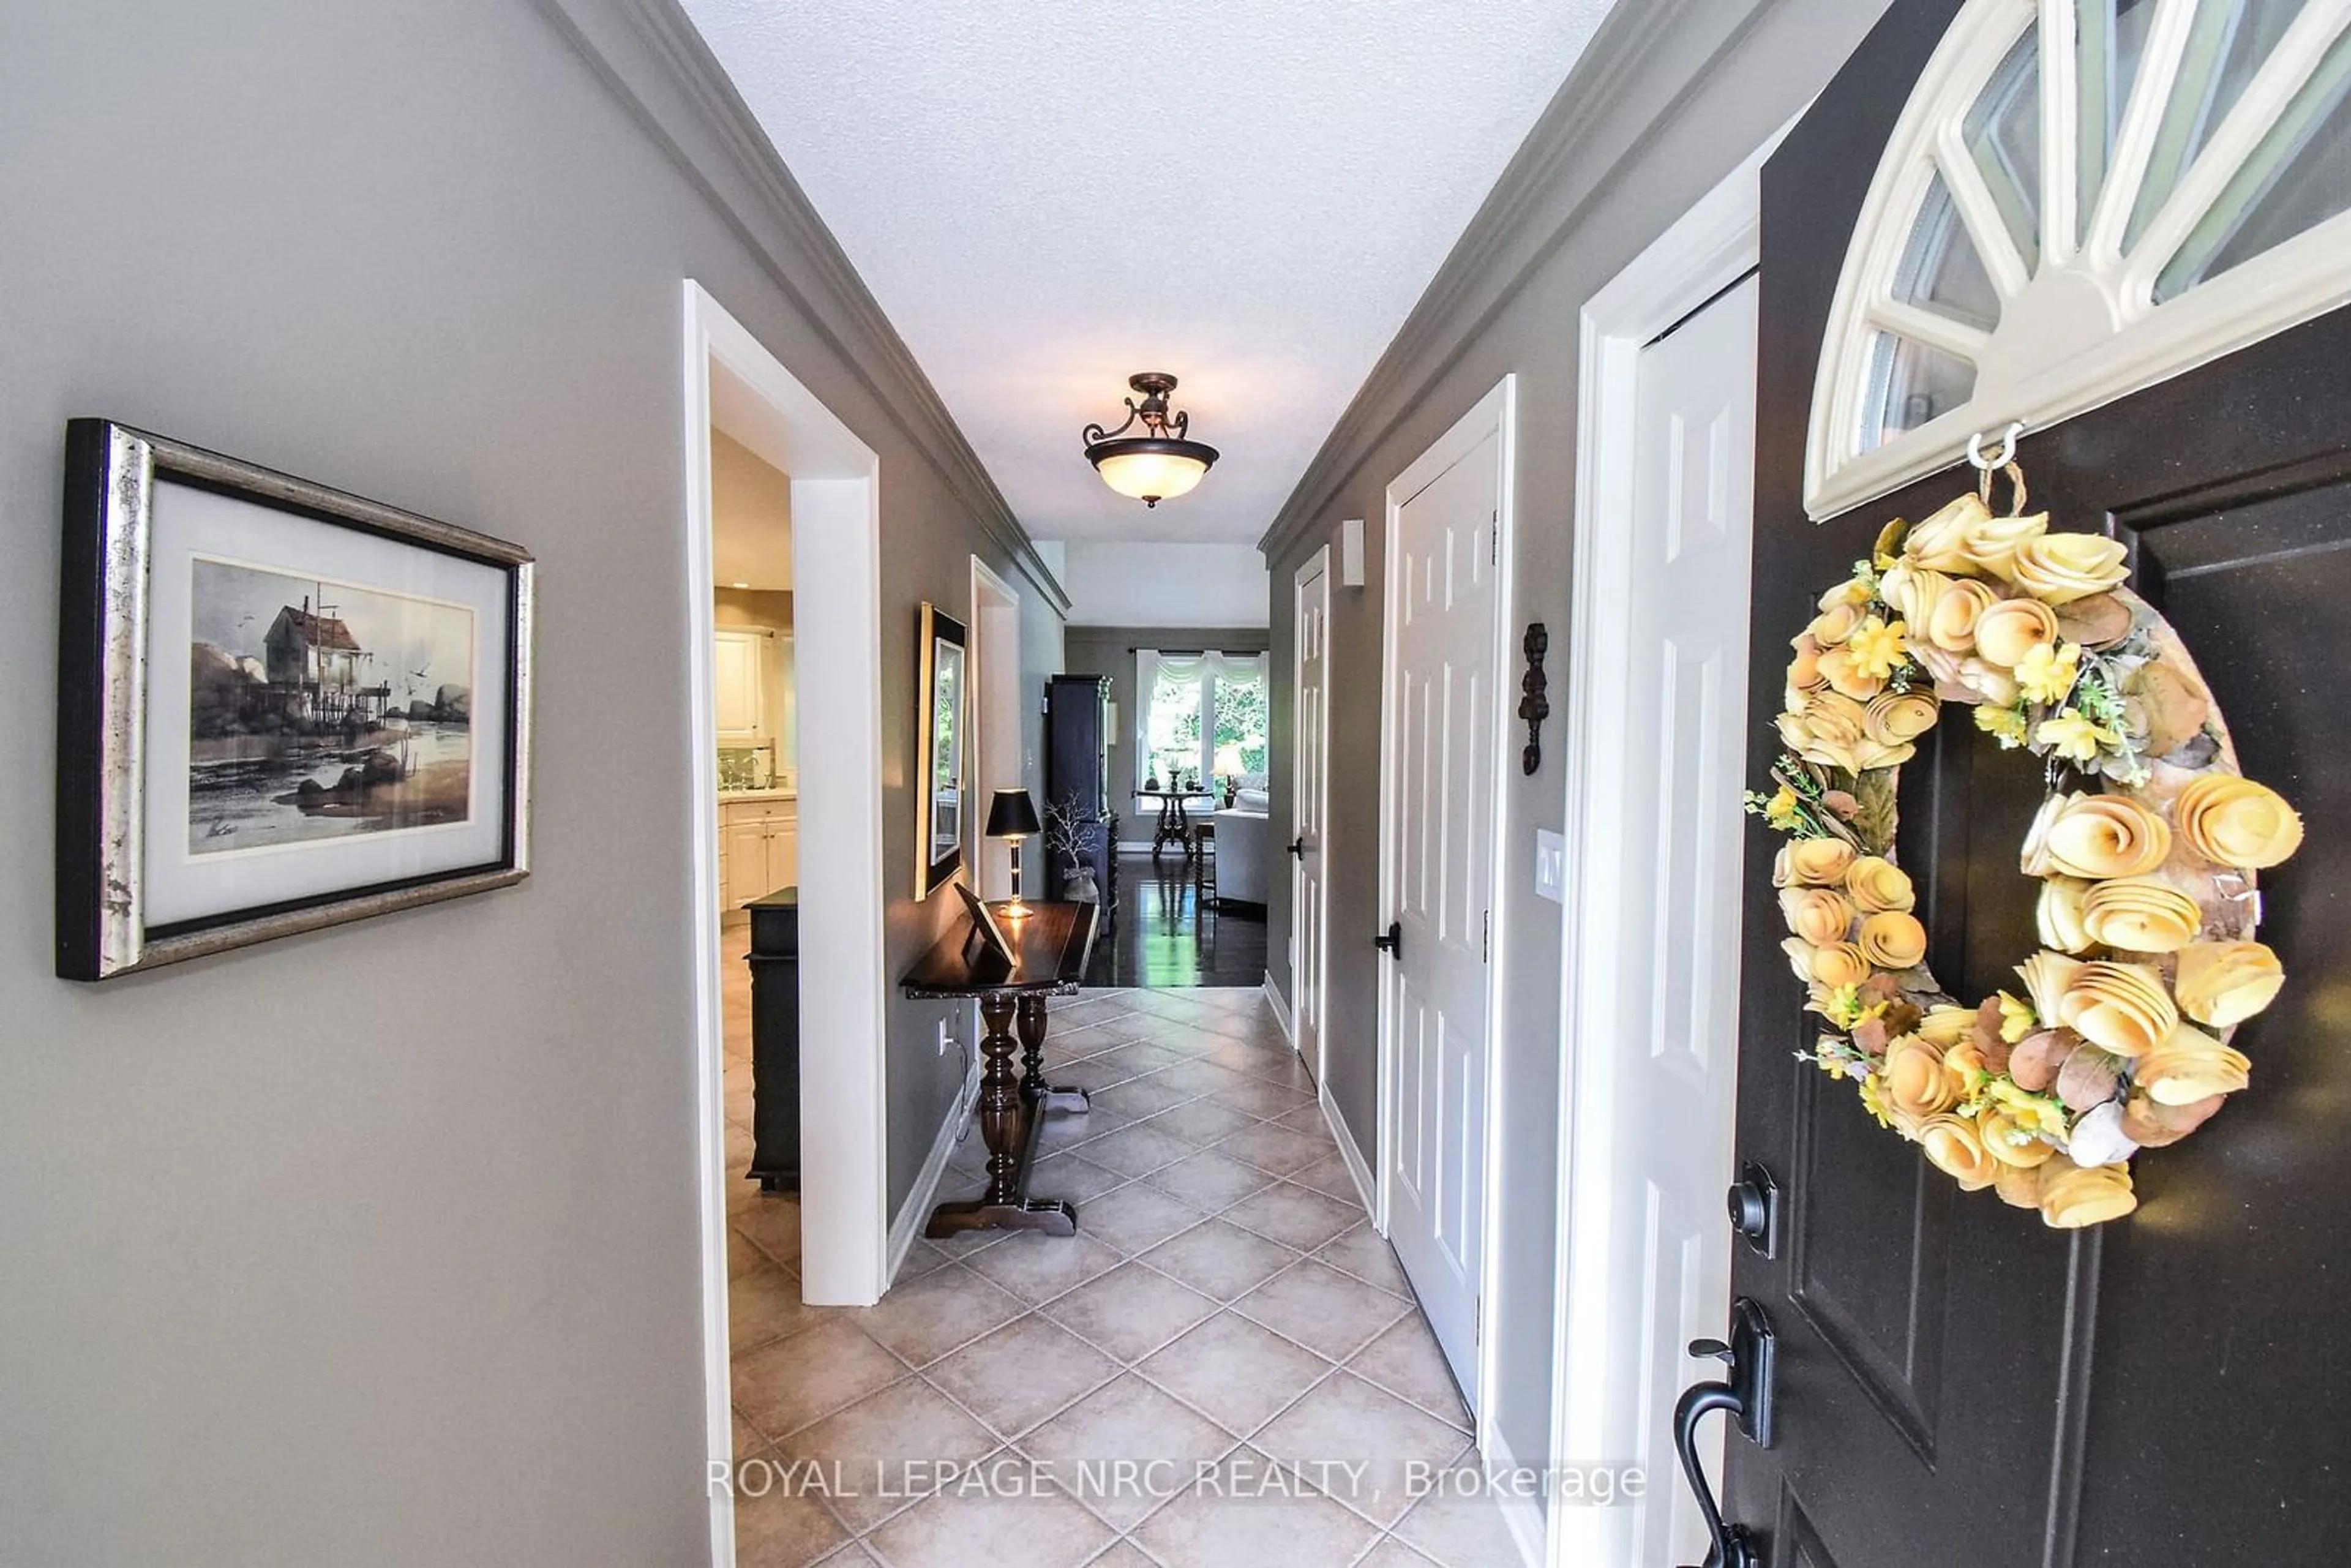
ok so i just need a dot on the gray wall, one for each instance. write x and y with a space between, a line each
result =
377 1245
1672 97
1110 650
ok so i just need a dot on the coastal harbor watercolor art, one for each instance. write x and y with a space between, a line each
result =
319 709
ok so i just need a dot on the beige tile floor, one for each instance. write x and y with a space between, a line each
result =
1225 1308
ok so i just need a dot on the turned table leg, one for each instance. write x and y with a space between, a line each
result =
1003 1116
1042 1097
1032 1048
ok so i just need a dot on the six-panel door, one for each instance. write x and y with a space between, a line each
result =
1961 1387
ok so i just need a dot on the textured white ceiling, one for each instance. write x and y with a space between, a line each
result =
1046 197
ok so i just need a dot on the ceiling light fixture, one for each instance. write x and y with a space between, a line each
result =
1158 462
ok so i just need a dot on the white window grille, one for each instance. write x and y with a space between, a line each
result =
2040 240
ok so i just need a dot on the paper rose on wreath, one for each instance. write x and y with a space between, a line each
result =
2116 1036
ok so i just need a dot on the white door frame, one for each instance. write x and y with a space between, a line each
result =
1317 565
1709 248
730 377
995 757
1495 415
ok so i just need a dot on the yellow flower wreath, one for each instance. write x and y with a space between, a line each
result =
2120 1038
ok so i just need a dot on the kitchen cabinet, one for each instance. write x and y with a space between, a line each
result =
759 848
738 675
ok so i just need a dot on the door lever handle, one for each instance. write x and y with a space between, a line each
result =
1745 1395
1393 943
1733 1546
1298 846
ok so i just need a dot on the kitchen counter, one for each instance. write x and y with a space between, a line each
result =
728 797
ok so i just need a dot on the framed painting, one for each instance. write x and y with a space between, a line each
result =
280 707
939 704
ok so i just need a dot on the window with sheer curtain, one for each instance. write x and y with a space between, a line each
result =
1200 717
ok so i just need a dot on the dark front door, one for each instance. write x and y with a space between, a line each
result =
1959 1386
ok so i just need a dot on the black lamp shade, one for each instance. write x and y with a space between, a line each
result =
1012 815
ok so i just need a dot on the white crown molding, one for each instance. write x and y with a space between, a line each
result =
1549 185
656 62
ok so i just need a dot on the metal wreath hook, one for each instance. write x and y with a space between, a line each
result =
2001 459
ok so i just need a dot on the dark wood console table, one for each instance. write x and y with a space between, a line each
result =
1051 945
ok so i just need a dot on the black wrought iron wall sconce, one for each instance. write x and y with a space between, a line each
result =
1534 706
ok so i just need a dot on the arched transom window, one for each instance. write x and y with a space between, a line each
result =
2082 198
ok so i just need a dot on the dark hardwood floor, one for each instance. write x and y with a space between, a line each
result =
1168 934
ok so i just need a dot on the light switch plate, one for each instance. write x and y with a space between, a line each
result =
1551 865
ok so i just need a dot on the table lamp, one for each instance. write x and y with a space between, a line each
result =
1012 817
1228 763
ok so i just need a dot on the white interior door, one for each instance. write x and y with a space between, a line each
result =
1656 1028
1308 802
1443 561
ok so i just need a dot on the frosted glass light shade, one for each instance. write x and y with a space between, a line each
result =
1155 470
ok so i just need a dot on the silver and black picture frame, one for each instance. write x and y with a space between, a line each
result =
280 707
941 701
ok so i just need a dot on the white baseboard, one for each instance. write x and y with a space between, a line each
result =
1135 846
1522 1514
908 1226
1349 1152
1280 1012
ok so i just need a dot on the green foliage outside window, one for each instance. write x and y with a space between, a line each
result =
1175 726
1241 718
1236 691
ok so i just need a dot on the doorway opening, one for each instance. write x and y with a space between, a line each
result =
760 445
1162 735
753 677
996 722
